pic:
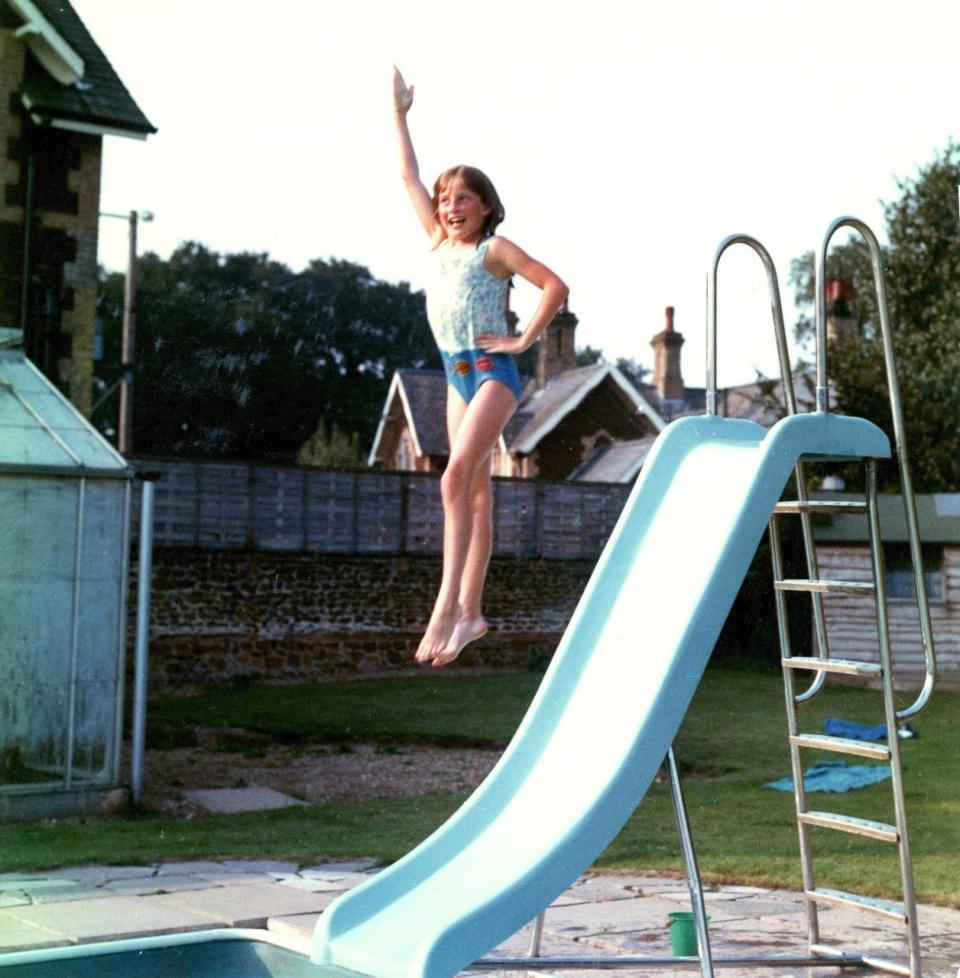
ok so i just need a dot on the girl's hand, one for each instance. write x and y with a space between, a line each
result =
402 94
492 343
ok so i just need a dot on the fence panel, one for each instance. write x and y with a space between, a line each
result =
175 504
278 499
516 508
331 512
223 505
600 506
379 514
424 516
561 522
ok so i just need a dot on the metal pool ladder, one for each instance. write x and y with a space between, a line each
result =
823 664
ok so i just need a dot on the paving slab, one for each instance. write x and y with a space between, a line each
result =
233 878
111 918
347 866
15 935
197 867
38 885
13 898
295 927
332 887
319 884
599 889
247 906
232 801
147 885
265 866
97 875
68 894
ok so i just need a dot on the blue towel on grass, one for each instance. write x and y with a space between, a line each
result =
836 777
861 731
836 727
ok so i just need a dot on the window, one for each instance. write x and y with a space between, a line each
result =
406 459
901 585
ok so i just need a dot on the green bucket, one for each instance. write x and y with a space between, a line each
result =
683 933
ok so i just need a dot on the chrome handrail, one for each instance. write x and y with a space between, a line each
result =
776 309
786 376
896 410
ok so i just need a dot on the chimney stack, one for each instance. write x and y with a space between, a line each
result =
557 352
667 378
839 294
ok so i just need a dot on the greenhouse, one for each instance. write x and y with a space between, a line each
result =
64 546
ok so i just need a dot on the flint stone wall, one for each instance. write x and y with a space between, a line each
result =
221 617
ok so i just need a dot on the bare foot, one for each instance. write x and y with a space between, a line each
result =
467 630
437 636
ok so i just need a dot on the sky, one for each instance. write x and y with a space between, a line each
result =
626 139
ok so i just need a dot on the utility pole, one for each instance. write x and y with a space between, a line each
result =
125 419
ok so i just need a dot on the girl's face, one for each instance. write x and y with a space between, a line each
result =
461 212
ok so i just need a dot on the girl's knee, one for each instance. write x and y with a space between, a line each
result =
455 480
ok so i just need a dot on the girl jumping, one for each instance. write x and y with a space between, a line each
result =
466 307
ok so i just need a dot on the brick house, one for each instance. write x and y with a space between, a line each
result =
59 97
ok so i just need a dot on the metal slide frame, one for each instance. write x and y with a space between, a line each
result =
881 672
821 955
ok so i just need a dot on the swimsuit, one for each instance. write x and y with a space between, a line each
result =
468 369
464 300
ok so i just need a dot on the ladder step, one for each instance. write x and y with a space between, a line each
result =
842 745
848 667
820 506
885 908
825 587
847 823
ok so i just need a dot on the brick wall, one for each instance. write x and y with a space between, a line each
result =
64 238
80 274
227 616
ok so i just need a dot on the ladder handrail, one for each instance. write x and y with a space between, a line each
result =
786 376
776 310
896 410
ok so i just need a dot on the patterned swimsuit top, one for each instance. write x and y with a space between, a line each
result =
463 298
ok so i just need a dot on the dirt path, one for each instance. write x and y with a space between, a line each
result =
316 773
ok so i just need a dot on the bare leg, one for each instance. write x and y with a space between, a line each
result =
471 624
473 430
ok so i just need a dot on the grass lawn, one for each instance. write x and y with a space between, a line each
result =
731 743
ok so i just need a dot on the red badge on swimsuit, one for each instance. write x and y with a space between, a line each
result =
462 367
485 364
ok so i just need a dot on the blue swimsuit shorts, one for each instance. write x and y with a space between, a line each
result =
468 369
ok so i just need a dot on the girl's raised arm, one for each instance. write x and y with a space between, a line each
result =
409 169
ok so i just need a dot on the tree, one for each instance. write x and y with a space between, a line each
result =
238 356
922 271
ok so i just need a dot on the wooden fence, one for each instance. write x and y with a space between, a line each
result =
224 506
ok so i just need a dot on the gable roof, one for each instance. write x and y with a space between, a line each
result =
422 395
78 88
540 412
619 461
